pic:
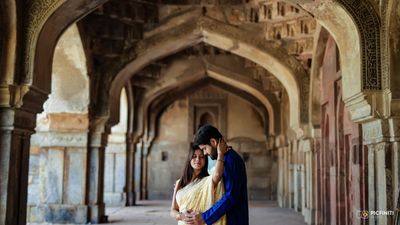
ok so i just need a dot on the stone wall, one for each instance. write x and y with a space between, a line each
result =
115 170
169 151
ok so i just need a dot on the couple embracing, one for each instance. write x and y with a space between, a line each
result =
219 198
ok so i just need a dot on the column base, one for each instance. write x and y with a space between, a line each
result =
97 213
130 199
73 214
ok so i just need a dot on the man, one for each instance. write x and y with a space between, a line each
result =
234 202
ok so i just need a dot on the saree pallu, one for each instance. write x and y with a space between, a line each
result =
199 196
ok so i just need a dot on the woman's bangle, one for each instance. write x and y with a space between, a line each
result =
220 160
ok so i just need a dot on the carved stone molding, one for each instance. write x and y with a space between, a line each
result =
368 105
369 26
37 12
385 18
368 22
60 139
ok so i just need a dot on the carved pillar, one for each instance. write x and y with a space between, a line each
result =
16 128
57 169
98 135
380 137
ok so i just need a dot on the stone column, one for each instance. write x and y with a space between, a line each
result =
15 131
145 172
286 181
131 142
98 135
308 207
57 189
291 174
280 179
138 170
16 127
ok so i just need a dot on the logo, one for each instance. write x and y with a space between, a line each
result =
363 214
367 214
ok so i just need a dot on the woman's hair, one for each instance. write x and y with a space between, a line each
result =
187 174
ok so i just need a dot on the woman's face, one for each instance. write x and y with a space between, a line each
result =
198 160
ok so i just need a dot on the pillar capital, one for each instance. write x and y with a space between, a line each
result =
381 130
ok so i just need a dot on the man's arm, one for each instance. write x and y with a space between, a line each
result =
219 166
235 178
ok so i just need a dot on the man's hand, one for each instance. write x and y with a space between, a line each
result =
195 219
222 147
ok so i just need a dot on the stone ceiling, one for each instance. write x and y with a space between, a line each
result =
116 27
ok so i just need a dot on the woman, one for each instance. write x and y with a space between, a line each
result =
196 190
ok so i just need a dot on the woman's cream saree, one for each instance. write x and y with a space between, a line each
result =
199 196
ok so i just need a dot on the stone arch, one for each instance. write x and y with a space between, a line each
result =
289 71
391 45
155 110
240 83
207 118
315 76
122 124
70 80
116 157
46 23
63 125
129 94
8 40
360 53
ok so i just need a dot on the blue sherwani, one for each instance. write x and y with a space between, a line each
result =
234 202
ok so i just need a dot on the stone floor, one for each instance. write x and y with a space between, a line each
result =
157 213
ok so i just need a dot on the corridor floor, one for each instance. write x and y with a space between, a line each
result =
157 213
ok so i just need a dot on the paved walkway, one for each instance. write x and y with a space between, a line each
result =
157 213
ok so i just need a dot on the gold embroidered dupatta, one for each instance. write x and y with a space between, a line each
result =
199 196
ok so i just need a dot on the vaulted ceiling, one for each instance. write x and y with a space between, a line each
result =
115 28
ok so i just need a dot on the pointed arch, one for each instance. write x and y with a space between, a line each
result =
243 86
47 22
158 105
268 55
355 27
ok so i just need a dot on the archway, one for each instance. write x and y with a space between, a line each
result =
58 153
212 32
115 193
221 75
